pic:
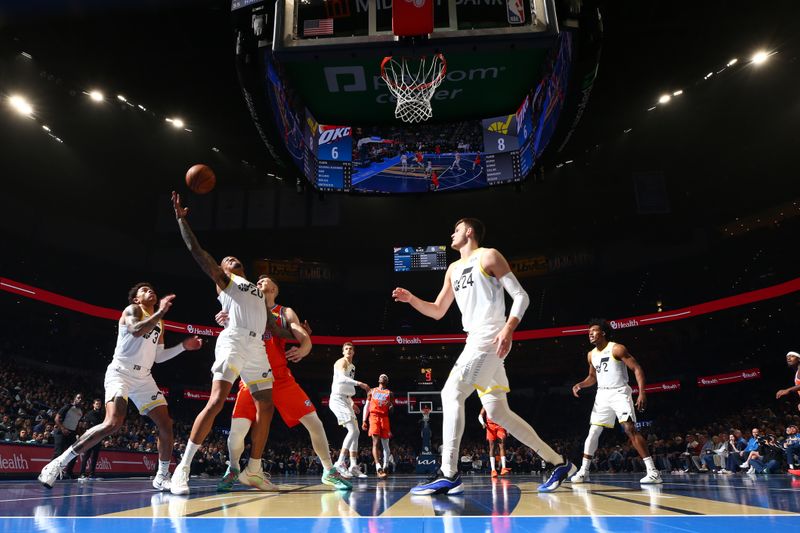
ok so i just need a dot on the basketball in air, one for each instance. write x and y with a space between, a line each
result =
201 179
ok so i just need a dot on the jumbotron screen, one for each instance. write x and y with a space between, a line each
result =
420 258
402 158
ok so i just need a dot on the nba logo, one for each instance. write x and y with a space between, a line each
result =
515 10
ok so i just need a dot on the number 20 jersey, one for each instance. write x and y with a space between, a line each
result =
611 372
480 298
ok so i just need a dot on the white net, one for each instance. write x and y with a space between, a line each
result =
412 82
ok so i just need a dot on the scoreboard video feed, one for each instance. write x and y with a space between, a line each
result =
502 138
420 258
329 158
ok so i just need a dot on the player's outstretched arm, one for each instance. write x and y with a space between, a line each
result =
137 324
188 344
621 353
203 258
435 310
297 353
588 381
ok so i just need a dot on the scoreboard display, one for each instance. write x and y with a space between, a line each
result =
420 258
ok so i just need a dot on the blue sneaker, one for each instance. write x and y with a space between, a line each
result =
438 483
560 473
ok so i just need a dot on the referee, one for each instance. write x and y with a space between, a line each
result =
92 418
64 435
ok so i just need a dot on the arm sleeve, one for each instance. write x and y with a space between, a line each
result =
344 379
163 354
518 295
480 419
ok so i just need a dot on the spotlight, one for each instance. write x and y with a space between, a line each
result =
759 57
732 62
96 96
20 105
45 128
176 122
678 92
121 98
664 98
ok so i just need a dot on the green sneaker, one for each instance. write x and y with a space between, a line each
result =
335 480
228 480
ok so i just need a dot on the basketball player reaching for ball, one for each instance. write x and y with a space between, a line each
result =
140 344
793 360
239 352
476 282
495 433
380 401
608 367
341 403
290 400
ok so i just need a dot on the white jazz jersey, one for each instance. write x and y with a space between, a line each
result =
244 304
139 352
480 298
340 387
611 372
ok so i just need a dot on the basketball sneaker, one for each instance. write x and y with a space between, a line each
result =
355 471
161 481
382 473
343 471
494 472
259 480
653 477
228 480
560 473
334 478
438 483
179 484
505 471
52 472
579 477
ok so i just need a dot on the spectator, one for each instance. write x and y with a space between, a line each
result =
791 446
92 418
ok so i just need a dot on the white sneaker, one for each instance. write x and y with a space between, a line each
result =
751 470
355 471
259 480
343 471
745 465
179 484
579 477
653 477
161 481
50 473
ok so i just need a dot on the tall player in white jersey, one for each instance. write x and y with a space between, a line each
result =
341 403
476 282
239 353
140 344
608 367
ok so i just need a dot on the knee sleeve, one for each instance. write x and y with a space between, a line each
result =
590 446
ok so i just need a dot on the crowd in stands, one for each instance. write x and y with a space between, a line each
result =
753 440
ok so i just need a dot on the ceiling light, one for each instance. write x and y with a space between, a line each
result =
176 122
732 62
121 98
760 57
97 96
678 92
21 105
664 98
45 128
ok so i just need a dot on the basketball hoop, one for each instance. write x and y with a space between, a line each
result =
412 82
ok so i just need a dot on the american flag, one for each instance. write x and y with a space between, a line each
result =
318 27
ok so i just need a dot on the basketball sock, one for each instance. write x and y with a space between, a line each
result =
353 460
254 465
648 462
585 464
319 441
498 410
188 454
386 452
454 394
68 455
163 468
503 461
343 456
492 462
239 429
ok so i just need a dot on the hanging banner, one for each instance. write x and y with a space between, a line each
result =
663 386
730 377
204 395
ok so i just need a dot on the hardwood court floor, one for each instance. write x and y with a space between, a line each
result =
608 503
